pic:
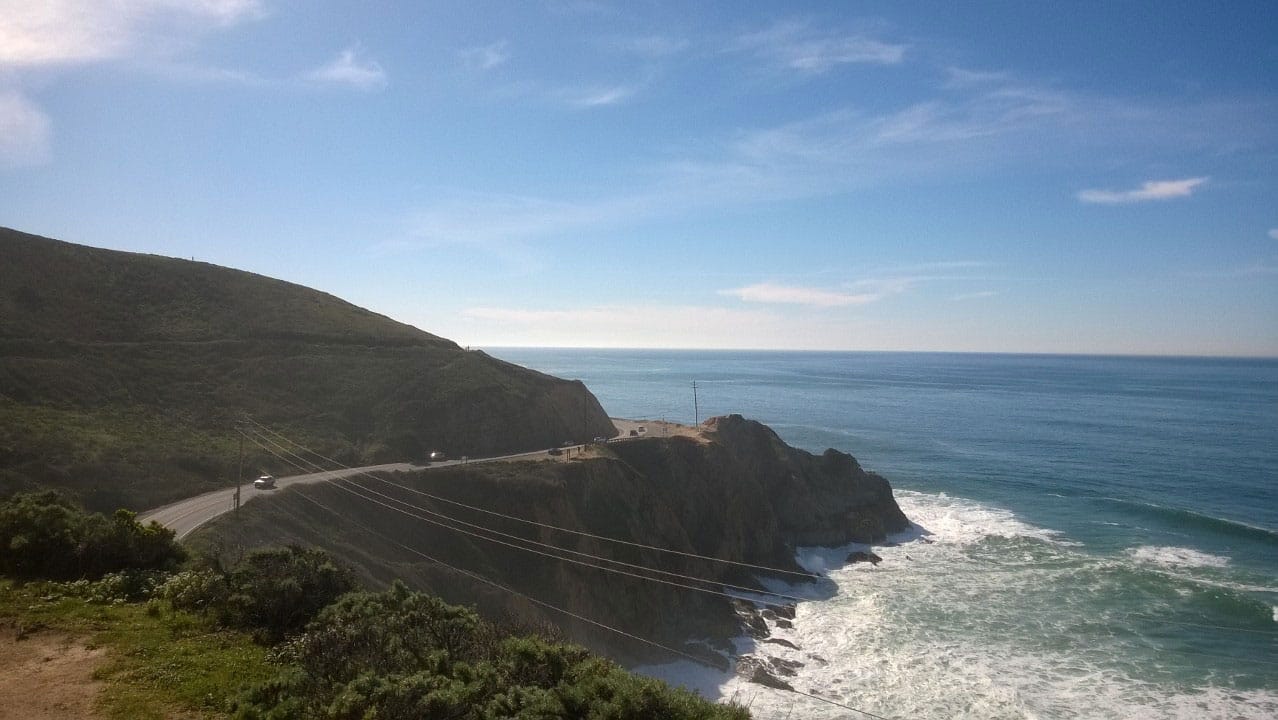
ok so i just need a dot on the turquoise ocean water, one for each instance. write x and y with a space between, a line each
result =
1105 529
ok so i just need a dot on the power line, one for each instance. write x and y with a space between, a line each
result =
580 533
338 484
569 613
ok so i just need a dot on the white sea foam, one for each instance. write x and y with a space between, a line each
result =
960 628
1176 557
951 520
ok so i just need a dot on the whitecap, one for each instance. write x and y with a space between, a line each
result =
1170 556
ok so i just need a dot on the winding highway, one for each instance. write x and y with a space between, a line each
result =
185 516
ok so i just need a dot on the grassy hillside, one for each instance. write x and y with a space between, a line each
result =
121 376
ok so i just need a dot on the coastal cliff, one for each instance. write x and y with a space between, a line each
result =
737 492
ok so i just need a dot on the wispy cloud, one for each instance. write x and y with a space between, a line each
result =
975 295
24 131
1148 191
1273 234
657 326
796 45
599 97
648 46
791 295
988 124
349 68
50 32
486 57
957 77
47 34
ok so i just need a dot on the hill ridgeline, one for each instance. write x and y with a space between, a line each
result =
122 374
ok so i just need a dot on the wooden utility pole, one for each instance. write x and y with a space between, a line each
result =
696 411
239 475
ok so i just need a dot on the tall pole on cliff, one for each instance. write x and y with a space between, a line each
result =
239 475
696 411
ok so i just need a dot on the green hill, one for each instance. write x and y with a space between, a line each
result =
121 376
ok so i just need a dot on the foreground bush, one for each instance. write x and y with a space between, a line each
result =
272 592
401 654
47 536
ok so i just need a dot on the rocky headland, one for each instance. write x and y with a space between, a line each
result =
736 492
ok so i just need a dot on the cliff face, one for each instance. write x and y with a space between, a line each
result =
121 376
741 495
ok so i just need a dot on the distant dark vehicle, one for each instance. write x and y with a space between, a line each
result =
642 429
634 433
437 456
265 482
601 439
555 451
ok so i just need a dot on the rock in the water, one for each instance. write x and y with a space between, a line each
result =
783 623
783 642
758 670
751 621
864 556
785 611
789 668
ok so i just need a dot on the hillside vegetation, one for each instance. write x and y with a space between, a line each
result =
121 376
179 642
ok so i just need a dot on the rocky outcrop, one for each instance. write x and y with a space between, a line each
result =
859 556
740 495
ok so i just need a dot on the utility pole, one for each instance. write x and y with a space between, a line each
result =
696 411
239 475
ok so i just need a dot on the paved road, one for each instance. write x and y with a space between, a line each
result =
186 515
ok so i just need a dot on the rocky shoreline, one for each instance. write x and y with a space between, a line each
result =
737 493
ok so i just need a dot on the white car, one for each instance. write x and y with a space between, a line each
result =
266 482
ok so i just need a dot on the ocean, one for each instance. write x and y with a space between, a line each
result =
1104 529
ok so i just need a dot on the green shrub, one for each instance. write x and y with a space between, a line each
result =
45 535
195 590
116 588
276 591
401 654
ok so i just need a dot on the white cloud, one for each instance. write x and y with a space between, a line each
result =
975 295
24 131
1273 234
797 46
348 68
784 294
486 57
649 46
957 77
654 326
988 124
47 32
1152 190
600 97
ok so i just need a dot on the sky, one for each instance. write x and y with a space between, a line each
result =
990 177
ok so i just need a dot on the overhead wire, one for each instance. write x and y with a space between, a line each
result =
605 538
338 483
569 613
260 438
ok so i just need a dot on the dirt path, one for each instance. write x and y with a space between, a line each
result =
46 676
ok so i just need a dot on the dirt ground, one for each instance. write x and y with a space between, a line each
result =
46 676
656 428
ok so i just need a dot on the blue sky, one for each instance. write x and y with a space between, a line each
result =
1003 176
